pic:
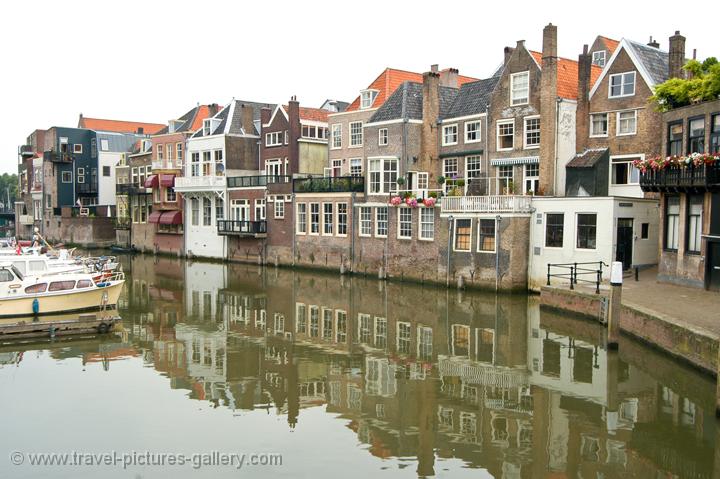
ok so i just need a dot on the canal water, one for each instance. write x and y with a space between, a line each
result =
346 377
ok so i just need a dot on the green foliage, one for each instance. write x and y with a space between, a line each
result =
8 184
702 85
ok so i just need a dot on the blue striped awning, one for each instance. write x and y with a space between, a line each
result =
523 160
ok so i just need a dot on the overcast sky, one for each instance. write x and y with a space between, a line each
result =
153 60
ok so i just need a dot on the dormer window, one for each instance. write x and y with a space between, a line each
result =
367 98
519 88
622 84
598 58
173 125
207 127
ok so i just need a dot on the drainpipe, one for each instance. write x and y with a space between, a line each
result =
404 145
447 269
351 210
486 145
557 137
294 253
498 219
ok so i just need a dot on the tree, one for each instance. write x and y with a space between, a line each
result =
703 84
8 185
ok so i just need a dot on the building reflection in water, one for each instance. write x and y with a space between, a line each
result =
419 372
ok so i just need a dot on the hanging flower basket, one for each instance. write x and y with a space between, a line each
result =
429 202
411 202
661 163
395 201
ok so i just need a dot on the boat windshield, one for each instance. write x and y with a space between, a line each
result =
17 272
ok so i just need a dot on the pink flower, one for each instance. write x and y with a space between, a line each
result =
429 202
395 200
411 202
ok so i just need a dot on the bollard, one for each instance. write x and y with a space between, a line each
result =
461 282
613 401
613 323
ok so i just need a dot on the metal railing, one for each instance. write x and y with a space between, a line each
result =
256 180
571 271
199 182
486 204
234 227
87 188
329 184
704 177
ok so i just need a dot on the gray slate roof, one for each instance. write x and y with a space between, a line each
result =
186 119
406 102
472 98
588 158
654 61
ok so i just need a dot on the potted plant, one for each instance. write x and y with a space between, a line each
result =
400 181
440 180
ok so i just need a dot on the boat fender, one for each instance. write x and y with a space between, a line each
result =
103 328
102 285
36 306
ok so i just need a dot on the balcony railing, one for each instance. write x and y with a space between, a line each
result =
57 157
242 228
26 219
131 189
329 184
690 178
167 164
257 180
122 223
192 183
486 204
87 188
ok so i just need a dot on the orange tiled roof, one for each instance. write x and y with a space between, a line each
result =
119 126
610 44
389 81
567 81
311 114
202 113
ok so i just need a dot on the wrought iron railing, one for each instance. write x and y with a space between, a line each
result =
234 227
257 180
674 178
329 184
571 271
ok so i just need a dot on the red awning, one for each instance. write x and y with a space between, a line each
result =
168 181
171 218
152 181
154 217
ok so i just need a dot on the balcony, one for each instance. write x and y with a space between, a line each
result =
329 184
682 179
250 229
131 189
256 181
122 223
185 184
87 188
486 204
26 219
167 164
56 157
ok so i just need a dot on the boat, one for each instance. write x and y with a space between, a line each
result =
124 249
36 295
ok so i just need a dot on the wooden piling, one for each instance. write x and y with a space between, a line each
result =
615 306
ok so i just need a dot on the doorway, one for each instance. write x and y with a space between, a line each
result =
713 276
624 242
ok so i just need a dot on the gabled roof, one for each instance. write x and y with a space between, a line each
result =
610 44
334 106
118 126
651 63
230 118
473 98
310 114
567 75
588 158
191 120
406 102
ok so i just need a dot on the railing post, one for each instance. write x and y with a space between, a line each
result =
597 283
572 272
575 275
548 279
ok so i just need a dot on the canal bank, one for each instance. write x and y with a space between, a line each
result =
683 322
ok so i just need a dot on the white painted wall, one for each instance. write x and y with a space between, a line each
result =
631 190
203 240
106 184
608 210
565 141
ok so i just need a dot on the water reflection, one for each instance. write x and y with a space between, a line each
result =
415 372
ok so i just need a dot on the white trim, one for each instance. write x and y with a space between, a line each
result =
611 158
607 125
454 237
420 224
360 220
322 219
604 58
390 122
479 131
624 45
362 134
525 120
347 112
621 75
497 133
272 117
336 212
397 234
387 137
463 118
387 221
314 123
512 80
457 134
617 123
332 147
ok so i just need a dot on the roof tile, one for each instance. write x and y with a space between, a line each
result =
119 126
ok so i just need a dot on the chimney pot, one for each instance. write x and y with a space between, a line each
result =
677 32
585 49
694 53
434 68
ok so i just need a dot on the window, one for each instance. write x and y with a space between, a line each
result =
355 166
381 221
599 124
367 97
505 135
486 235
207 212
259 209
170 195
106 171
383 175
404 223
672 222
463 234
328 218
104 144
715 135
532 178
644 230
170 150
622 84
505 171
195 211
450 135
626 122
301 226
423 180
314 218
598 58
675 139
67 177
342 219
273 139
696 136
61 285
427 223
356 133
403 337
694 228
586 230
195 164
219 209
178 153
78 148
365 221
383 136
336 168
472 167
532 132
80 175
279 208
219 165
554 230
623 171
160 152
36 288
313 132
472 131
519 88
336 136
84 283
206 163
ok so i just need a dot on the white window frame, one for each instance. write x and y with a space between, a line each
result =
383 137
337 219
279 208
367 210
513 100
323 218
366 95
622 84
400 211
350 132
617 123
445 130
380 163
454 236
298 215
478 123
104 144
421 237
621 157
593 134
359 160
310 216
77 148
273 138
336 132
597 55
63 177
525 132
479 222
498 124
377 221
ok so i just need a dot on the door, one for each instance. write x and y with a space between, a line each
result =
624 242
240 210
714 265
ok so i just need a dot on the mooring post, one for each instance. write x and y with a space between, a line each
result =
613 376
615 307
717 407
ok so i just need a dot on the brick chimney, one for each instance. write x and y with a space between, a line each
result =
265 115
212 109
246 119
293 135
431 112
676 58
449 77
548 109
653 43
508 52
582 114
